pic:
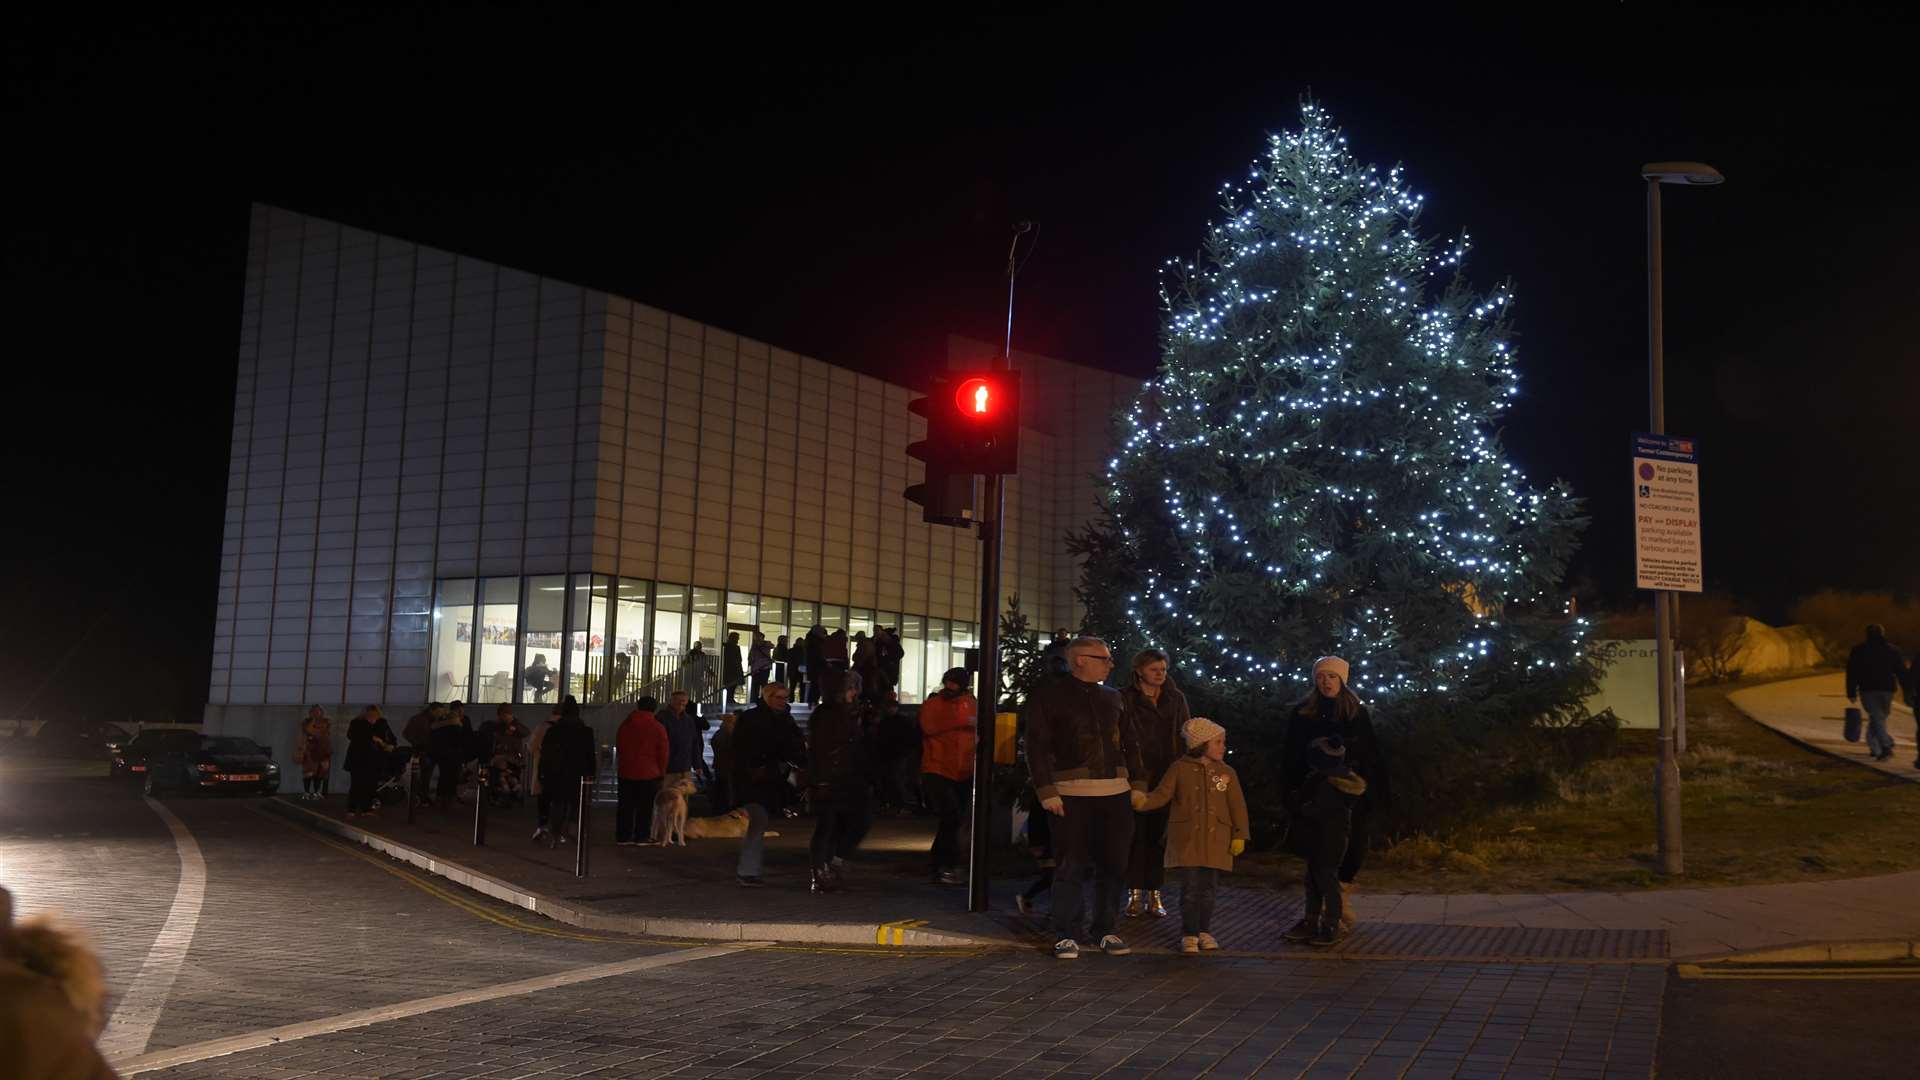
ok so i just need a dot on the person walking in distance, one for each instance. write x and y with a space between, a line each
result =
947 731
314 752
733 667
813 650
542 795
759 663
1874 671
1084 761
1331 708
366 762
448 746
567 756
765 740
866 663
837 779
641 755
1205 796
1320 832
1158 710
699 671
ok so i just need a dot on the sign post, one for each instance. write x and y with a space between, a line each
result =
1666 543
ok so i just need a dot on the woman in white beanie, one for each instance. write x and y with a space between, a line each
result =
1332 709
1206 828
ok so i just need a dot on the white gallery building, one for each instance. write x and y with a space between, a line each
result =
445 472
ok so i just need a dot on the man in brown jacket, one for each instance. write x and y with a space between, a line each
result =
1084 761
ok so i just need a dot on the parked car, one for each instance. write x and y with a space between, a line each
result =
131 758
211 763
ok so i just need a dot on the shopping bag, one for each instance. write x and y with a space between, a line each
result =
1853 724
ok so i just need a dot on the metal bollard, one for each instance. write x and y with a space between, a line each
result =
480 808
580 828
413 785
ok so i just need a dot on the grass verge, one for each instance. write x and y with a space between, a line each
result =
1757 809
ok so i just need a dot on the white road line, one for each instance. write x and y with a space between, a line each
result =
131 1027
182 1055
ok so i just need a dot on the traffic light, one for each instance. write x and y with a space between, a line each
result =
973 429
945 497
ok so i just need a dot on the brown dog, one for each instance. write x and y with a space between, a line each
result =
670 813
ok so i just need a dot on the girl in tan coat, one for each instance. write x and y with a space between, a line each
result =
1207 827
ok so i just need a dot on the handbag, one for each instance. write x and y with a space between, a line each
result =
1852 717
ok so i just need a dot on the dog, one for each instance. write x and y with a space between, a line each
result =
730 825
670 812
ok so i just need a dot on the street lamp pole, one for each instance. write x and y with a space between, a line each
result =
1666 776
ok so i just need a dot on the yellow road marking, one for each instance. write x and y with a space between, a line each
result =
1785 974
895 933
513 923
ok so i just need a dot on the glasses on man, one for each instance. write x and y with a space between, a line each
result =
1098 658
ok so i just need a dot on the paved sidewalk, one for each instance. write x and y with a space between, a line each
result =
1811 711
692 892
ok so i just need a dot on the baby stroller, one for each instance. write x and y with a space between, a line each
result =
392 788
504 784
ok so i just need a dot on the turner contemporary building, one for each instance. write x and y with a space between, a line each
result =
454 479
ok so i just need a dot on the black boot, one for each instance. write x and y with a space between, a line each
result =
822 879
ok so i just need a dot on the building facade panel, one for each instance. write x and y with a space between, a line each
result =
455 479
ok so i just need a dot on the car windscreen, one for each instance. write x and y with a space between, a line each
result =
229 744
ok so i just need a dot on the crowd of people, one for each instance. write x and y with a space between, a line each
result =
813 665
1127 786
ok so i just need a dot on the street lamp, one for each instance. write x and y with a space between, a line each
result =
1666 776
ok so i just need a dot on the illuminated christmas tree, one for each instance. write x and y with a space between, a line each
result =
1316 468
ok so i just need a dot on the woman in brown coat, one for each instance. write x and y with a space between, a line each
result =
1206 828
313 749
1158 709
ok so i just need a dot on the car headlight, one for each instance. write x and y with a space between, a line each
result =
271 767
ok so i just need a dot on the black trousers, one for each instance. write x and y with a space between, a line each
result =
1093 837
1323 892
842 817
633 814
360 787
1196 898
944 799
542 807
449 767
1147 856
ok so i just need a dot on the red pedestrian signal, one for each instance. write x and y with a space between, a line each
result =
973 429
986 422
976 399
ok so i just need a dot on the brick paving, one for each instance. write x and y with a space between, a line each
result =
888 882
294 929
790 1015
291 929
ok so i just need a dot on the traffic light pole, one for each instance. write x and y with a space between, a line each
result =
980 849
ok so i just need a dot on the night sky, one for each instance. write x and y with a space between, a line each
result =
847 190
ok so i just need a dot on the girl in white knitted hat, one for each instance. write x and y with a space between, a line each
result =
1331 709
1207 826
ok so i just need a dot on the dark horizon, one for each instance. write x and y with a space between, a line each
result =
851 199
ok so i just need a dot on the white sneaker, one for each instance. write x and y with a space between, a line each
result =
1189 944
1113 946
1066 949
1207 942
